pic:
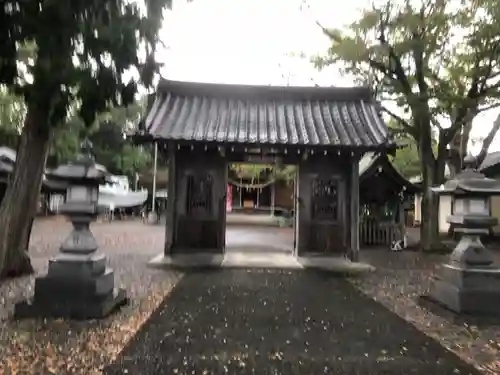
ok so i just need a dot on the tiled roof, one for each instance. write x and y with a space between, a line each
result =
371 161
492 159
309 116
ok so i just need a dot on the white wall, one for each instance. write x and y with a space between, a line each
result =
495 212
418 208
55 202
444 212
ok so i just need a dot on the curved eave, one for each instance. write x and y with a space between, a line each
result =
140 138
390 171
491 170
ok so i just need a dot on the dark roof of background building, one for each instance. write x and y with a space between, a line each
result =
373 163
491 160
267 115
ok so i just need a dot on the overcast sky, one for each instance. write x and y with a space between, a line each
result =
247 41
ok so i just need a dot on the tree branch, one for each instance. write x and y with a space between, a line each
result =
401 121
418 55
468 106
488 141
396 75
477 91
488 74
397 69
463 114
488 107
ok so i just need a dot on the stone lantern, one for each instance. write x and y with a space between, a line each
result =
78 284
470 281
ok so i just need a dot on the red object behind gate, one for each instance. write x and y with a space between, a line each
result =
229 198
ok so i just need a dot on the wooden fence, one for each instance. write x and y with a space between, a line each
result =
373 232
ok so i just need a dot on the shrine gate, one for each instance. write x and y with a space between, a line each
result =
201 127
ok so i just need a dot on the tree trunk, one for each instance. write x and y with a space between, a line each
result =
429 229
458 147
19 204
488 141
433 175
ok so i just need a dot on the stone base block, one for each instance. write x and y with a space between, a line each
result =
467 301
75 288
56 306
77 266
486 278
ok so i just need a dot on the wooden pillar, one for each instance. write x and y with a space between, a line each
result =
258 194
200 203
402 222
222 215
273 197
240 189
354 210
155 167
296 211
322 206
171 200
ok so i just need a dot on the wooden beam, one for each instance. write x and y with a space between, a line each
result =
354 209
171 201
402 221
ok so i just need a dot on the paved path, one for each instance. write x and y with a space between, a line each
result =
251 239
278 322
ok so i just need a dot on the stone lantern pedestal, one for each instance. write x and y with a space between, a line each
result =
78 285
470 282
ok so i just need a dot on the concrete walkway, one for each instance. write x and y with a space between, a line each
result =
236 218
279 323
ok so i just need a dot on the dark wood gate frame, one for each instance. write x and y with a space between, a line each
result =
327 200
201 127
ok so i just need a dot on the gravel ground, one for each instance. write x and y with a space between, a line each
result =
60 347
45 347
398 282
269 323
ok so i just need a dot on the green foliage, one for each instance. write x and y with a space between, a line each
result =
65 144
107 135
12 112
133 159
63 58
437 60
252 171
406 160
111 147
112 150
80 50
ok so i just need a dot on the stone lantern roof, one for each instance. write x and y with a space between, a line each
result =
83 170
469 181
78 170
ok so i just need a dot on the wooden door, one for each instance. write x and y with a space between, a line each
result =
296 212
201 215
322 214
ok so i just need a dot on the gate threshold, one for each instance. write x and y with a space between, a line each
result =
237 259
